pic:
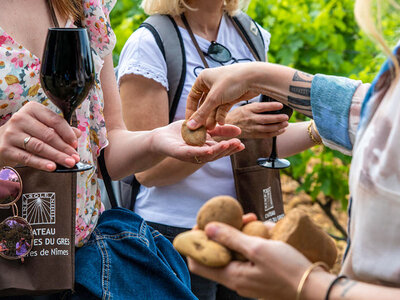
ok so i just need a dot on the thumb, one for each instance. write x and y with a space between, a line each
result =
200 116
77 132
228 236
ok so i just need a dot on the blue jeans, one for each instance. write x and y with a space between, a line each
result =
127 259
203 288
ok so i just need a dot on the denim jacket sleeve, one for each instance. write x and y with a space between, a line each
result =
335 106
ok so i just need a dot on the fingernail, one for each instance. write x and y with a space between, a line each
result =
76 157
75 144
50 166
192 124
69 161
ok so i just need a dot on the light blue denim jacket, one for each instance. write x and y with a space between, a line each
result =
331 98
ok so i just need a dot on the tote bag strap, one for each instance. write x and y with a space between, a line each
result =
107 180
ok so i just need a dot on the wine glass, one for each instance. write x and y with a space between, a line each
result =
67 74
273 162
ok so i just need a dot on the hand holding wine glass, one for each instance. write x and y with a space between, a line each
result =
67 73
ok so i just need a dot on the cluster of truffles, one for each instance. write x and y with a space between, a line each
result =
296 229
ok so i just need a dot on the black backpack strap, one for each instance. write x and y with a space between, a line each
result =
169 40
251 34
134 193
107 180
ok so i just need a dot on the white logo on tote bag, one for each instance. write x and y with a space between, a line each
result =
39 208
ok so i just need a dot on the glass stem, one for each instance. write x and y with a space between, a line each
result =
68 118
273 154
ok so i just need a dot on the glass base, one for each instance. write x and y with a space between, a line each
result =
79 167
277 163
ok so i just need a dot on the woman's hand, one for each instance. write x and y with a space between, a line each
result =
37 137
273 271
168 141
217 90
254 124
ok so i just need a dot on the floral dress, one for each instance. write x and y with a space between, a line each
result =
20 83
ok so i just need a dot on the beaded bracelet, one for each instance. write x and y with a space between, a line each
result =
334 281
306 274
312 137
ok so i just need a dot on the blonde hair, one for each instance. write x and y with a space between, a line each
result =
364 18
177 7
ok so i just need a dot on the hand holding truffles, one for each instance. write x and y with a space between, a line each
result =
295 228
194 137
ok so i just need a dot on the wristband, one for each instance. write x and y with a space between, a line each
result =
334 281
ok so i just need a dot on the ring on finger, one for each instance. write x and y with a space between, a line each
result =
197 160
26 141
196 91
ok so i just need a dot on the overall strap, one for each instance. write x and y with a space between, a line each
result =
251 34
169 40
52 13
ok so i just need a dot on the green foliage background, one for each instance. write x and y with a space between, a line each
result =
315 36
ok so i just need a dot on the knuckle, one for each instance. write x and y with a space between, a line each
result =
25 158
49 134
16 119
38 146
29 106
55 120
8 134
201 114
255 250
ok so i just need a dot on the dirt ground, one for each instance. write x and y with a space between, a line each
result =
292 198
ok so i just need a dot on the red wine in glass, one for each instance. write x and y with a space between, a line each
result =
273 162
67 74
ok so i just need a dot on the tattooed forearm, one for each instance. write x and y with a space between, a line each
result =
348 288
299 101
302 91
301 76
303 110
346 285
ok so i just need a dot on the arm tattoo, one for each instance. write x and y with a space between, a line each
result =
302 109
298 101
300 86
346 285
348 288
302 91
301 76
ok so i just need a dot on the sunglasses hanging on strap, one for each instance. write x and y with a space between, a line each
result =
217 51
16 234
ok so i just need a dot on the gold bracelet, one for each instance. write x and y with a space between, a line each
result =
306 274
311 135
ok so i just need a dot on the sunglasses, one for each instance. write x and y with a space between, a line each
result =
16 234
218 53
